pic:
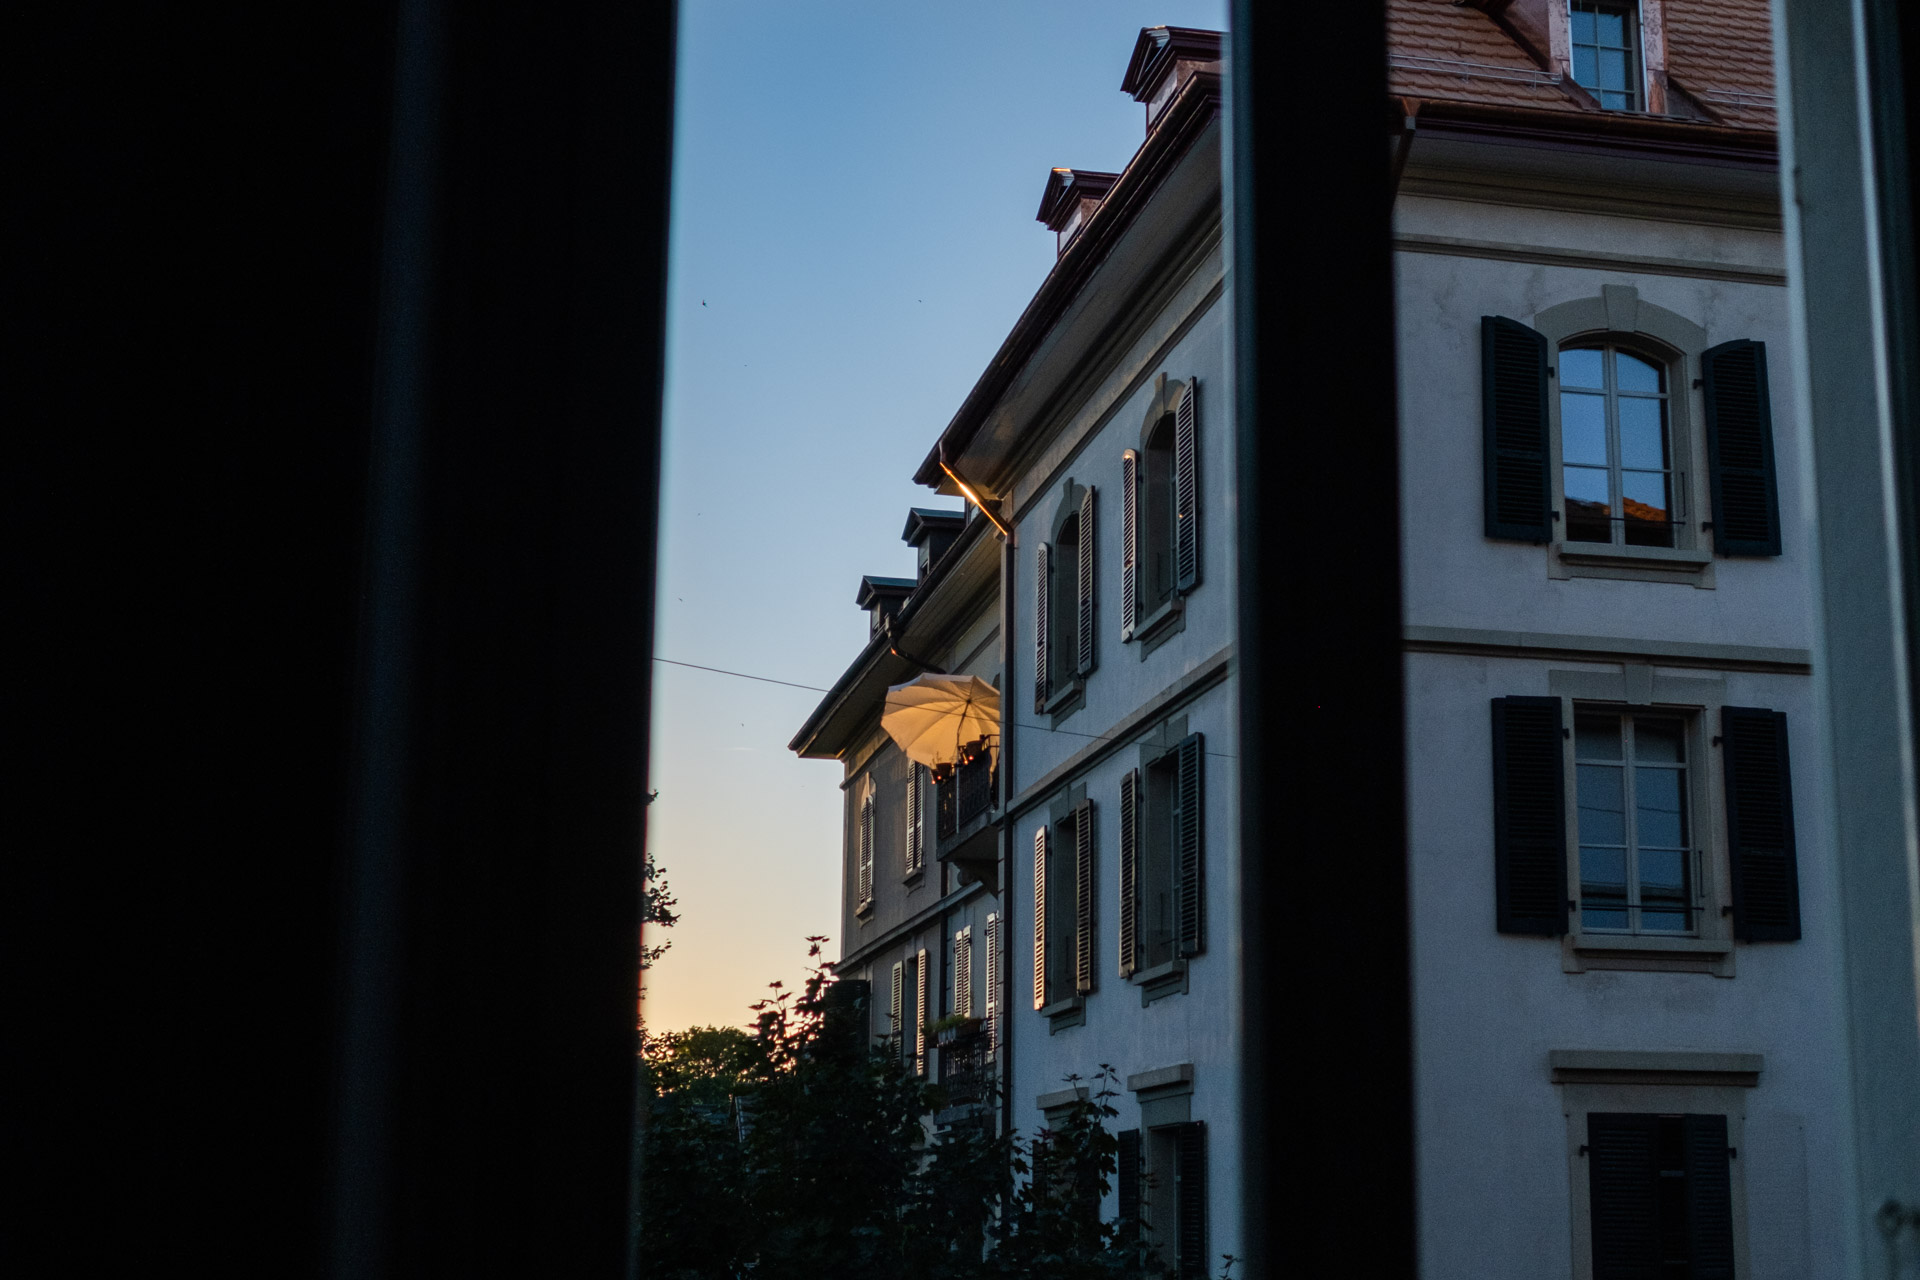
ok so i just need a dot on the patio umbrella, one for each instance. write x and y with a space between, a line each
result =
933 717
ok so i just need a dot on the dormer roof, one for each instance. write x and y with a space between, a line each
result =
877 590
924 522
1156 52
1065 189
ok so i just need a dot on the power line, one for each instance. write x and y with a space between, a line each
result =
814 688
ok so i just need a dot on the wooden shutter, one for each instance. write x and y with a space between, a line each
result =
1709 1197
916 850
993 981
1760 846
1129 873
1186 490
1189 844
1040 918
899 1012
1042 586
1746 498
864 874
1623 1180
1083 898
1085 662
1190 1195
963 972
920 1012
1529 816
1513 410
1127 1174
1129 542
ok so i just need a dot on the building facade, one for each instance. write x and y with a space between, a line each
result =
1623 914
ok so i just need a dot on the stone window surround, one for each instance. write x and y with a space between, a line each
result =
1661 1082
1618 313
1168 619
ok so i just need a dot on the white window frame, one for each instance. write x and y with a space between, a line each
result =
1636 48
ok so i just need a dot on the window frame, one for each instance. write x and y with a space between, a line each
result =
1630 765
1618 317
1611 346
1066 683
1636 690
1635 48
1160 614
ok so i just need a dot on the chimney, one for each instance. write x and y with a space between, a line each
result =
1069 201
1164 59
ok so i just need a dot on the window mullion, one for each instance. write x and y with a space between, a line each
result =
1616 476
1629 802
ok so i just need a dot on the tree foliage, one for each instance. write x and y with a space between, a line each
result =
797 1151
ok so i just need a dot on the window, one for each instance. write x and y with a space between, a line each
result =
1063 906
910 1010
1660 1196
863 858
1616 448
1606 41
1636 849
916 859
1160 522
1639 869
1063 624
993 981
1162 1186
1162 909
963 972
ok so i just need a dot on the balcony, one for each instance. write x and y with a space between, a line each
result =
963 822
966 1065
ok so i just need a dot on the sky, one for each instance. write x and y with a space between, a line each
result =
853 236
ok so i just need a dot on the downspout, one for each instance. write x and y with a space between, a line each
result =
1004 996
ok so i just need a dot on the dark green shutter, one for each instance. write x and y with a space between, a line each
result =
1623 1188
1746 497
1709 1197
1186 489
1189 844
1088 563
1529 816
1760 847
1513 409
1083 880
1042 594
1190 1195
1129 873
1128 1174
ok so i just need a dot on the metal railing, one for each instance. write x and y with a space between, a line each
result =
964 794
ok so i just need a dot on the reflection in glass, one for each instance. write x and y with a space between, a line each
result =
1589 512
1643 431
1635 855
1581 368
1583 428
1636 374
1616 448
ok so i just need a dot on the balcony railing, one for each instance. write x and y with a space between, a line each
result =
965 794
966 1068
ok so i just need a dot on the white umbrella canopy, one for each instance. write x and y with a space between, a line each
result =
933 717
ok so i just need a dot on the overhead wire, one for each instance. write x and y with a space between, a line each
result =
814 688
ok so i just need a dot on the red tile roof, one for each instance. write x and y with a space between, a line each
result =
1719 52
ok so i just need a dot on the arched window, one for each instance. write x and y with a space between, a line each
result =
1616 446
1065 608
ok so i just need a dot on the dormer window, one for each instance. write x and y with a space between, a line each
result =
1605 36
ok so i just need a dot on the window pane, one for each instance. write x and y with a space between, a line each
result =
1602 805
1658 741
1603 888
1587 506
1658 808
1583 26
1613 69
1634 374
1612 29
1583 65
1580 369
1663 877
1596 737
1583 428
1616 101
1643 433
1644 503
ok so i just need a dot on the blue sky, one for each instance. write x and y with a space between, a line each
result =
853 235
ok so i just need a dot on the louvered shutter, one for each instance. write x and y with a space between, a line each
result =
916 851
993 981
1529 817
1709 1197
1760 846
865 855
1129 542
1513 409
963 973
1190 1195
1040 918
920 976
1189 843
1746 497
1042 587
1623 1180
899 1012
1086 584
1129 873
1186 490
1083 898
1127 1174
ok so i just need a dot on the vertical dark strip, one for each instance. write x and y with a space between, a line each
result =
1709 1196
1623 1201
1190 1194
1322 742
1127 1175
